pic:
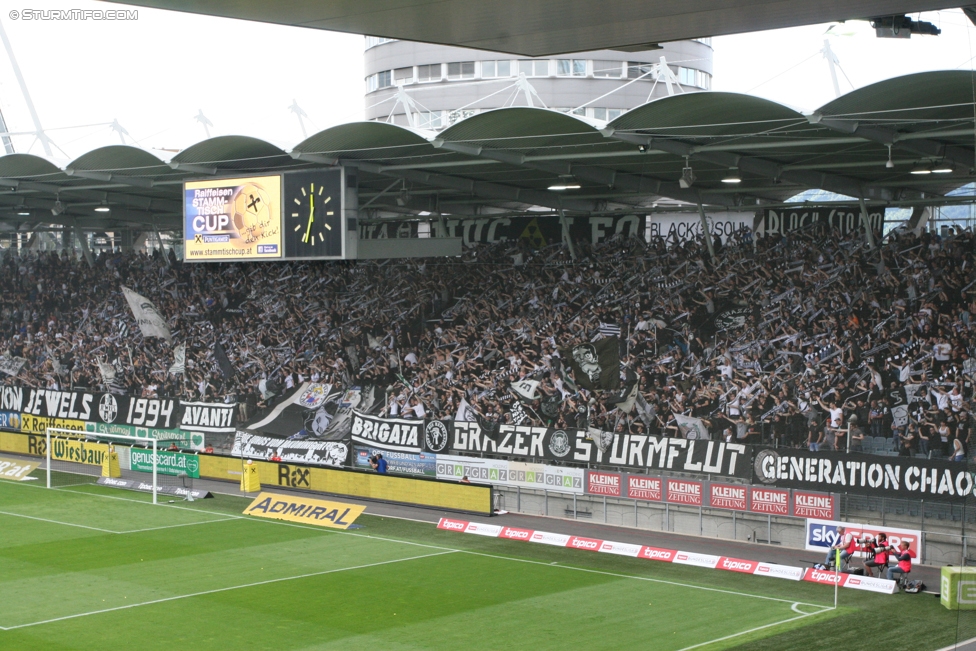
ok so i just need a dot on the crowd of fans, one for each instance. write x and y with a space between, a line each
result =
794 340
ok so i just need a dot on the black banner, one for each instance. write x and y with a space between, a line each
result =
316 453
390 433
541 444
862 474
162 413
537 231
845 218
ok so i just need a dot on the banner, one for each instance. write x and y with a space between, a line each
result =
539 231
146 487
511 473
595 365
728 496
862 474
845 218
306 510
185 440
691 428
307 412
216 418
390 433
39 425
318 453
11 365
684 226
94 407
151 322
769 501
169 463
626 450
604 483
398 463
10 420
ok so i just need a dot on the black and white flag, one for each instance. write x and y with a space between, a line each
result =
11 365
609 329
595 365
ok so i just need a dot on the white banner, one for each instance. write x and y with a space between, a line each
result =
511 473
217 418
150 321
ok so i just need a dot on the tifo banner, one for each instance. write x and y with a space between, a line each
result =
845 218
864 474
319 453
542 231
217 418
670 556
95 407
511 473
308 411
169 463
151 322
16 470
626 450
821 535
401 463
336 515
11 365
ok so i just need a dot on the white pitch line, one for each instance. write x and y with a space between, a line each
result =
67 524
958 645
757 628
171 526
234 587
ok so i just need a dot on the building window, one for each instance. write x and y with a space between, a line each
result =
571 67
606 114
534 67
460 70
637 69
429 73
607 69
403 74
493 69
373 41
429 120
379 80
692 77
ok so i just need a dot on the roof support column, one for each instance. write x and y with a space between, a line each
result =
708 234
567 240
83 244
866 222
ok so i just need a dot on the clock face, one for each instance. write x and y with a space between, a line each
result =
313 214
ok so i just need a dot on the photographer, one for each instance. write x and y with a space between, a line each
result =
877 550
904 555
847 543
378 463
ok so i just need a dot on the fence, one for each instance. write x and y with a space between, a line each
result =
948 531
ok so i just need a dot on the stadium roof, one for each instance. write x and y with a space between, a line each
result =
545 27
507 159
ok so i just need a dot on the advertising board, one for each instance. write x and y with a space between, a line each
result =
232 219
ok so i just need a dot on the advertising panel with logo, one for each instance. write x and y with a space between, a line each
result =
604 483
682 491
862 474
185 440
10 420
511 473
168 463
821 535
398 463
232 219
649 489
813 505
769 501
728 496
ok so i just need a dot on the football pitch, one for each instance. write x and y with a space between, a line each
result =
89 567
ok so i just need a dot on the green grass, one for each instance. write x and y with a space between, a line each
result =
98 568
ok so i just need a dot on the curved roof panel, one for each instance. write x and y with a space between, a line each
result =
366 140
942 94
119 157
233 152
708 114
23 165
